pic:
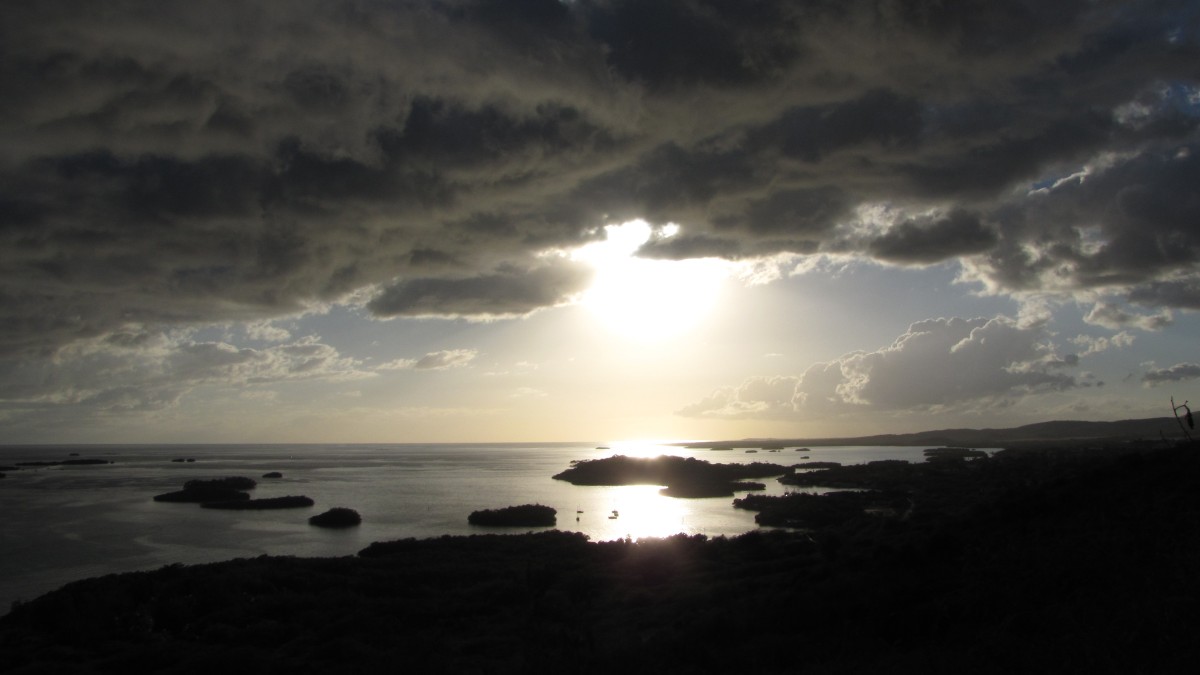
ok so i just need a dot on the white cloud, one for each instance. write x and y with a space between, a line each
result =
1094 345
938 363
757 397
441 360
267 332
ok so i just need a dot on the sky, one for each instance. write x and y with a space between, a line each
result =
545 220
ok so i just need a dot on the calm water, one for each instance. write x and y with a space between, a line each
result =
68 523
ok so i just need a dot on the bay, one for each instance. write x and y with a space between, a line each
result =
62 523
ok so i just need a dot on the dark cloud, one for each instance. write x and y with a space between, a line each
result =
1116 317
1181 294
881 118
665 43
930 240
682 247
507 292
239 161
1176 373
1120 223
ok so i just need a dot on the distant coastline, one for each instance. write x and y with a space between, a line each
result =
1056 432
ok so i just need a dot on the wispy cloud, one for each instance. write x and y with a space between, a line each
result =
441 360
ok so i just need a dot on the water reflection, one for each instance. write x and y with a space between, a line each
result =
638 511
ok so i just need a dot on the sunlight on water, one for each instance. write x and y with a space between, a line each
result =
640 511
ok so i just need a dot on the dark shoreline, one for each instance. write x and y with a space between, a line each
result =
1030 561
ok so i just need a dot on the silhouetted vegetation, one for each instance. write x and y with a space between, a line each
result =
227 483
10 468
886 473
622 470
1028 561
289 502
67 462
183 459
525 515
683 477
802 510
817 465
201 495
338 516
272 474
212 490
952 454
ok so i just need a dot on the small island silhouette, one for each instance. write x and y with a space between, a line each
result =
525 515
337 517
683 477
288 502
211 490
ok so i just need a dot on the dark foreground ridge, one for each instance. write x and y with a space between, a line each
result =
1035 561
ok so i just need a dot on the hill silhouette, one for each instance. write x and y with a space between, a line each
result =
1057 433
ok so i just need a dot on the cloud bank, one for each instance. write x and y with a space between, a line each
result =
241 161
936 365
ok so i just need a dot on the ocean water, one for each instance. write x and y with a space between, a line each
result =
64 523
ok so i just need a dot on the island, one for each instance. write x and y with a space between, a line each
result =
337 517
272 474
952 454
810 511
202 491
289 502
525 515
683 477
67 462
202 495
817 465
227 483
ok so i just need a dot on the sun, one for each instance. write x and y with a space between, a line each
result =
648 300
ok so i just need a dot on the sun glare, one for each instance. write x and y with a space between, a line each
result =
648 300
